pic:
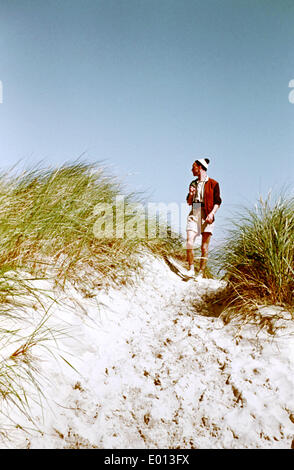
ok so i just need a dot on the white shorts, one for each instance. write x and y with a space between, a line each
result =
196 222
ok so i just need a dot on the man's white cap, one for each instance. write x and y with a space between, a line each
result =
203 162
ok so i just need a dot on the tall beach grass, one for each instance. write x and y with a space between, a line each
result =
47 217
258 256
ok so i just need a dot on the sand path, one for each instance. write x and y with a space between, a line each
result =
153 373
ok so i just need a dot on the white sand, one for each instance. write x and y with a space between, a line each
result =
153 373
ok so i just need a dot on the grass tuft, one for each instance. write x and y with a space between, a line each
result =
258 256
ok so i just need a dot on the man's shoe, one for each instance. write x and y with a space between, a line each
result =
191 272
199 276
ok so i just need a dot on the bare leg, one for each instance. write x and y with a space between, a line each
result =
206 236
190 247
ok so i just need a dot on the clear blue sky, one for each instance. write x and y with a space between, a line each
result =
148 86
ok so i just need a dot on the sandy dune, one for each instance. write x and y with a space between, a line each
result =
155 373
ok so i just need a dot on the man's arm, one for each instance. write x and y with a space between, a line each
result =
210 217
217 202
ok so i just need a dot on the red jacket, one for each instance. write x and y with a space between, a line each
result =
211 195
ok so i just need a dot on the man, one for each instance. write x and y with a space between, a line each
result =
204 197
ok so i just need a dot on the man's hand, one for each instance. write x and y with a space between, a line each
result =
192 191
210 218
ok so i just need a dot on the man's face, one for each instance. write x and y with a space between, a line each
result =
195 169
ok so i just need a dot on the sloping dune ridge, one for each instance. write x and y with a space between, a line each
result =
148 370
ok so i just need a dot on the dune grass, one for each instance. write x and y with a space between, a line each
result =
258 256
47 216
24 332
